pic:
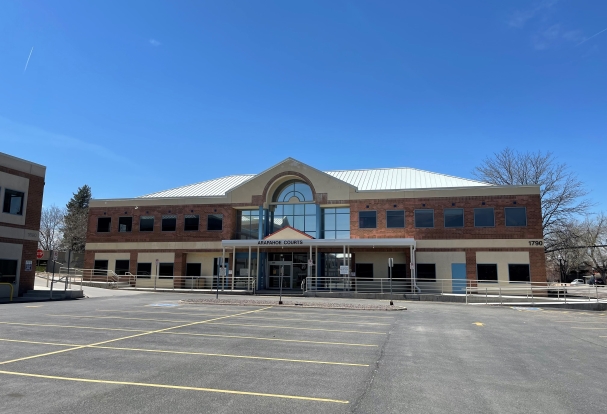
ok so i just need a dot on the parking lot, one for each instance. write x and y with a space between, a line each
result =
150 354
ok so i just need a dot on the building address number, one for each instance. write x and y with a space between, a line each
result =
536 243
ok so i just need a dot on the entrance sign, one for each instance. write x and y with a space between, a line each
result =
39 253
344 270
28 265
281 242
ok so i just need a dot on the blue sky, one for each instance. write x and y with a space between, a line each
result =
132 97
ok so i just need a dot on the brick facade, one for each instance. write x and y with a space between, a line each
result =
33 211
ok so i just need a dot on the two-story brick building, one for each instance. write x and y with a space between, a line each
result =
306 222
21 191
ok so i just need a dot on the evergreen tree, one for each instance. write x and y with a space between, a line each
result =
76 219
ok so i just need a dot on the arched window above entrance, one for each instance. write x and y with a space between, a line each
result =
293 191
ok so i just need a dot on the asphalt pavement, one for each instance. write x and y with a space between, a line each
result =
151 353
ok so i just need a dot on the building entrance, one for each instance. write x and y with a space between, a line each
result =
295 267
278 270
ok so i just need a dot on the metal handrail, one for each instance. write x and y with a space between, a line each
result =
12 289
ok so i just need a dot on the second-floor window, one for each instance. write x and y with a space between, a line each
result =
104 224
13 202
169 222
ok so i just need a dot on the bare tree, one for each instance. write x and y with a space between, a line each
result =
561 192
51 228
594 238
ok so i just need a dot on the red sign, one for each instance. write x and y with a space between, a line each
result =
39 254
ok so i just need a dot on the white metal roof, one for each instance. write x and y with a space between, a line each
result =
365 180
400 179
212 188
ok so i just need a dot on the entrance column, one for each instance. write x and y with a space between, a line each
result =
249 270
257 270
233 266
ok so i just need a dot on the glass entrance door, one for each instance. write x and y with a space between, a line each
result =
276 269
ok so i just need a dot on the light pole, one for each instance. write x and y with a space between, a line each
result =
562 267
282 272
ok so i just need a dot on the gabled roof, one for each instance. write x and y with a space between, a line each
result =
378 179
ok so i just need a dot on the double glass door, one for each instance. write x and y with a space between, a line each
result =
278 271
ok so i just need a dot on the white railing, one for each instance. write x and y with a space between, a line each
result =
108 278
492 291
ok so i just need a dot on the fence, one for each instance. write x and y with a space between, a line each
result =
475 291
108 278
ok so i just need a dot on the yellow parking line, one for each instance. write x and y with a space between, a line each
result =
125 337
175 387
192 353
195 334
297 328
120 317
72 326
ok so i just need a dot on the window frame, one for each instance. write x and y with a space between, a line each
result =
359 219
144 276
479 280
445 218
128 268
109 226
427 279
396 227
185 221
160 265
168 217
520 281
515 208
484 208
147 218
209 221
131 225
415 218
20 213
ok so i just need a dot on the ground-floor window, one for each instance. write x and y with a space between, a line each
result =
165 270
8 270
193 269
486 272
364 270
426 272
519 272
144 270
100 267
122 266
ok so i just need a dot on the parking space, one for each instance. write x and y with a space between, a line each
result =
151 354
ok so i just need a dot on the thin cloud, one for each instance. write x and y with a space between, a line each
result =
11 131
154 42
540 9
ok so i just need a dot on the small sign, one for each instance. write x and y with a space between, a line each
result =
412 266
344 270
28 265
390 262
222 271
310 262
39 254
352 274
55 255
157 261
244 272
